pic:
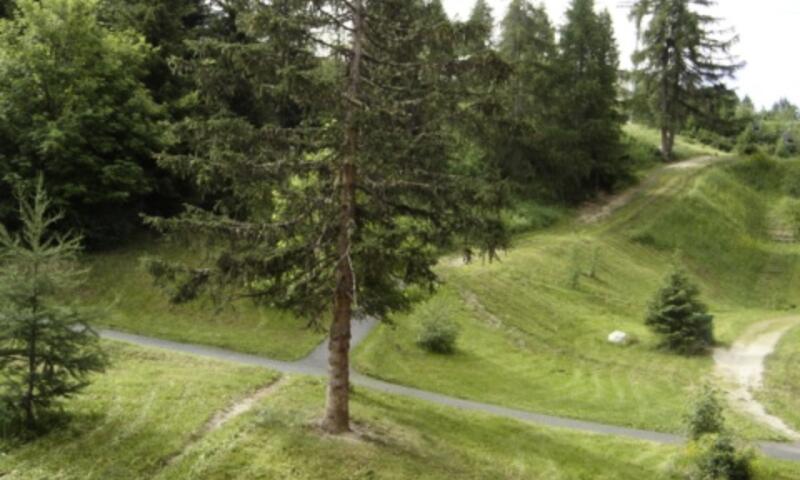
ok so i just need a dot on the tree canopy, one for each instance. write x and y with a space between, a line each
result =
74 109
680 54
343 176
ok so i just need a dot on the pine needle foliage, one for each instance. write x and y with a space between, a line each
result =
706 415
680 55
679 318
330 133
47 348
589 122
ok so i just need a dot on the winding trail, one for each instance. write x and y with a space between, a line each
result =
602 208
742 369
315 364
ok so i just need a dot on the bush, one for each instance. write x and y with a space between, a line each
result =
715 457
785 146
438 332
679 318
711 453
706 414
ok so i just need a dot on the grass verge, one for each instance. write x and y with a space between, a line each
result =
136 305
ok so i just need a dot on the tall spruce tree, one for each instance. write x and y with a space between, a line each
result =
481 23
516 134
47 349
527 42
588 116
679 55
343 204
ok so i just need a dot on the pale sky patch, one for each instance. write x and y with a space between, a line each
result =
769 36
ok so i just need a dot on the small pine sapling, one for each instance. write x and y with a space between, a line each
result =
679 318
47 348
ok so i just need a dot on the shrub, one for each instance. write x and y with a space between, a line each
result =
785 146
717 458
438 332
679 318
711 453
705 416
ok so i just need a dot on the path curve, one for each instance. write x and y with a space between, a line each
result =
742 369
602 208
311 366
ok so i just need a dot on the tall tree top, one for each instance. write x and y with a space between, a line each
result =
526 31
482 21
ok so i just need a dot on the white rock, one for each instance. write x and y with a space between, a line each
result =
617 337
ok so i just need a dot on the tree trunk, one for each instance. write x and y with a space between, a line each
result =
27 400
337 413
667 142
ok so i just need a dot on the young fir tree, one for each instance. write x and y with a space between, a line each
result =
47 349
342 172
679 318
678 56
588 117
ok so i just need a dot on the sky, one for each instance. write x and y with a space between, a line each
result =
769 32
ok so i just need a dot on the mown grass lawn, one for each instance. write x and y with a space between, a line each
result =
135 304
147 417
781 393
397 438
143 410
533 337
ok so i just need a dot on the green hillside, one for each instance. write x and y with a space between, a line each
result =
534 325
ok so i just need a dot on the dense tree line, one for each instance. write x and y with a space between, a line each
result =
558 130
553 126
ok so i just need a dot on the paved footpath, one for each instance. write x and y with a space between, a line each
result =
316 364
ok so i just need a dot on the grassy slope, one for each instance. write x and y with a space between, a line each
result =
781 393
138 306
530 340
135 420
643 143
143 410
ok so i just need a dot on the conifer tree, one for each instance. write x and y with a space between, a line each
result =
166 25
47 349
516 132
588 116
342 173
679 54
527 42
481 23
679 318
